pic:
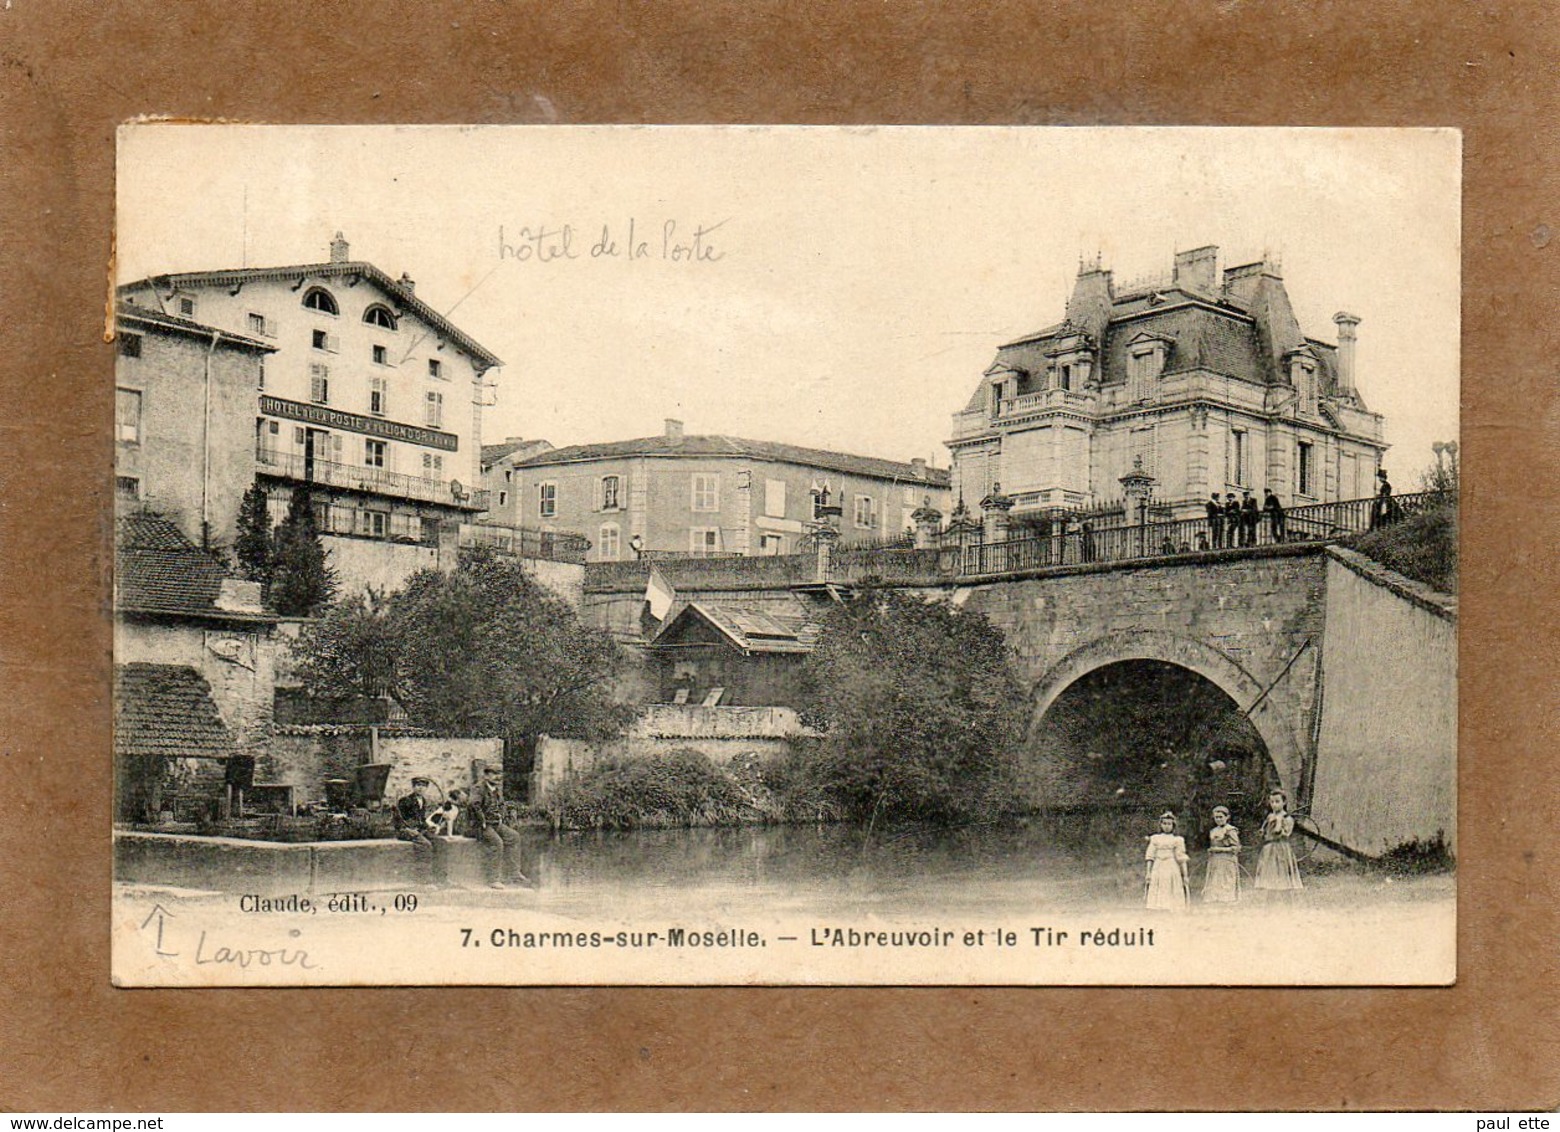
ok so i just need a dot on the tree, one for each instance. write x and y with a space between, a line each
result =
921 710
301 579
482 650
252 546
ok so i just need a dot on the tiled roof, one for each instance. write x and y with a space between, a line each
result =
158 570
130 312
493 453
166 710
404 297
672 446
1200 339
754 629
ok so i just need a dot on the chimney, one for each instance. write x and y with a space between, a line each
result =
1198 270
407 283
338 249
674 429
918 468
1347 324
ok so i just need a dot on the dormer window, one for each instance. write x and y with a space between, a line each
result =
1302 375
380 315
1146 356
319 299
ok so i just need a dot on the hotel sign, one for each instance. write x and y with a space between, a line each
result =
352 422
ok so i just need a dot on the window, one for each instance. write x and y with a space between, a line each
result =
260 370
610 486
373 524
866 512
1238 457
706 491
433 466
267 437
433 410
547 500
378 395
261 326
187 306
324 341
319 299
1067 377
319 384
379 316
1142 452
509 475
704 541
611 541
374 453
503 498
434 367
380 358
774 498
770 545
130 345
127 487
127 415
1304 471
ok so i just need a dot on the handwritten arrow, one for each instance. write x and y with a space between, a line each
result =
160 914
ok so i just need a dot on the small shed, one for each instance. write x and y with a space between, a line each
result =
723 654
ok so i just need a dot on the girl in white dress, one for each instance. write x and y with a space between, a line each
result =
1222 883
1277 870
1165 885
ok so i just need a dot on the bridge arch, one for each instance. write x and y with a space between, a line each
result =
1184 652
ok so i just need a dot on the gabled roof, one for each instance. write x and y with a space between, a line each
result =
166 711
131 313
159 571
672 446
493 453
402 296
750 629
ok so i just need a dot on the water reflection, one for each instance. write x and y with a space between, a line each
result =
1067 857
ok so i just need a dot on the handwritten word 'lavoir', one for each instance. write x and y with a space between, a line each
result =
669 241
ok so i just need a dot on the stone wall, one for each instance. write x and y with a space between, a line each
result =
238 662
1386 768
306 756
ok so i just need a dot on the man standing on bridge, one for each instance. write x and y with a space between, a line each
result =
1215 522
1231 520
1275 514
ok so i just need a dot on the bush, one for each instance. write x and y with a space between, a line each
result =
682 788
1422 547
1412 858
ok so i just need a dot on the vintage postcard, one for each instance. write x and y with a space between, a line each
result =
773 555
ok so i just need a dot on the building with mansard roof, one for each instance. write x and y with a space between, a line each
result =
1204 381
351 385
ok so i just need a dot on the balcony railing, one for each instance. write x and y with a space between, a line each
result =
526 542
1044 399
376 481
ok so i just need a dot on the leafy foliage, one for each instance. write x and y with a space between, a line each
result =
921 710
482 650
681 788
252 547
1423 545
301 579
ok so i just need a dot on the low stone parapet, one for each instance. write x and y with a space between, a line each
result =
230 864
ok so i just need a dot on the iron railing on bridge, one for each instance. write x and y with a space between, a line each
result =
1075 546
526 542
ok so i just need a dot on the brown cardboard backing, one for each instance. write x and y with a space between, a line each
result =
70 71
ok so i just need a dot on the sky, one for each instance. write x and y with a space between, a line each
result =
840 288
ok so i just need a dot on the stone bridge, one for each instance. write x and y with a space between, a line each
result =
1373 759
1249 622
